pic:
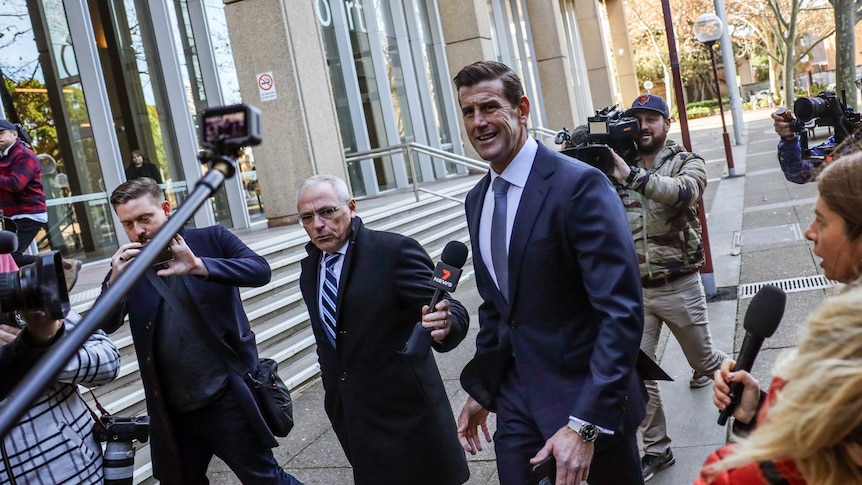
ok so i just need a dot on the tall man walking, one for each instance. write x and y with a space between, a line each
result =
660 191
562 317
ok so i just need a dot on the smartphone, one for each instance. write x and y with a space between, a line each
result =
544 472
164 256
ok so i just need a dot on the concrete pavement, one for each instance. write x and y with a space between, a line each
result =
755 225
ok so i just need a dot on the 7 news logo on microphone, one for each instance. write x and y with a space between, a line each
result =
446 276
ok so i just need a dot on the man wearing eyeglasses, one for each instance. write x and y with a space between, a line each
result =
803 170
365 290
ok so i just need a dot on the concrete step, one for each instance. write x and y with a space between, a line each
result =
277 312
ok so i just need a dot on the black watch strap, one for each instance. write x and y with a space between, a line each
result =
632 175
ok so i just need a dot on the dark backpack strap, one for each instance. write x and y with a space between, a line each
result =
221 349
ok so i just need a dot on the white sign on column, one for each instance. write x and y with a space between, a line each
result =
266 86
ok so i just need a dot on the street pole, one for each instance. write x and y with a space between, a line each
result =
730 76
728 151
706 271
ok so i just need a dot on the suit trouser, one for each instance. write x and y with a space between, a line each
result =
221 428
681 304
616 459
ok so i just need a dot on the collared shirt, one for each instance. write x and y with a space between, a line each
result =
516 174
321 273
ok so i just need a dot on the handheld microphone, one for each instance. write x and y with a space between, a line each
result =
761 319
445 279
8 242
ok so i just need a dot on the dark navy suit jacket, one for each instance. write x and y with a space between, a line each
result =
230 264
575 317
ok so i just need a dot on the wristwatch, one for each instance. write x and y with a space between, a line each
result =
635 171
588 432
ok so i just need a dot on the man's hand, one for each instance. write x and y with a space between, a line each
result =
472 416
572 453
185 261
621 168
781 122
8 333
747 407
440 320
121 258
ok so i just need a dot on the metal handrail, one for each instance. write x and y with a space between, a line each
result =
541 130
407 149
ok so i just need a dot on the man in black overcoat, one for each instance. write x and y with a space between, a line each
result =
389 411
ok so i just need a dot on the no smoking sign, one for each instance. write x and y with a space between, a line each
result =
266 86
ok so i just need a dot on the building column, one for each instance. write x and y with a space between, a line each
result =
467 33
626 73
301 137
599 69
552 59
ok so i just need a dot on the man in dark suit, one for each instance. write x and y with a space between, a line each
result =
365 290
198 407
561 320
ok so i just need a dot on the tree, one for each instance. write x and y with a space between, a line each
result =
847 13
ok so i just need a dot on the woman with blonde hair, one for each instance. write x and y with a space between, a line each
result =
809 426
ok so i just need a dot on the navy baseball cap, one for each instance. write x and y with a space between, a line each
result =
6 125
651 102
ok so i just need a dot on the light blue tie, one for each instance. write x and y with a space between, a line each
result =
330 296
499 250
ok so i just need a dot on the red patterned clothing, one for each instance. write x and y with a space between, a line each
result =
21 182
764 473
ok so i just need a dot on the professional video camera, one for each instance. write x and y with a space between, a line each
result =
118 434
37 286
827 110
608 129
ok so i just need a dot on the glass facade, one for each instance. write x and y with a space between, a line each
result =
516 50
387 69
136 58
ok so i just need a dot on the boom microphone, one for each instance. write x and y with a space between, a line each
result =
445 279
761 319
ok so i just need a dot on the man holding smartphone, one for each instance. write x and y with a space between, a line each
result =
198 407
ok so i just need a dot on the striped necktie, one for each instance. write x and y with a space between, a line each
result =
330 296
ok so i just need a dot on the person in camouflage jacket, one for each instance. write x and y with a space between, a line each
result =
660 191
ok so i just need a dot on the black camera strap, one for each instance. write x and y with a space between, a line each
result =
221 348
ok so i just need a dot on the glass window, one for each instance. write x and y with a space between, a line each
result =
132 71
44 93
229 90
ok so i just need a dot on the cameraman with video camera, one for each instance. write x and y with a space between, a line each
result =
660 190
800 163
53 442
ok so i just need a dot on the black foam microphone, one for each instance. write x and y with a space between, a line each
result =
445 279
761 319
8 242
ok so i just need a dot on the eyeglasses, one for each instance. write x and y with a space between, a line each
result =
858 83
324 214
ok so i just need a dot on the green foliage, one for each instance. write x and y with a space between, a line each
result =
760 62
30 99
697 112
